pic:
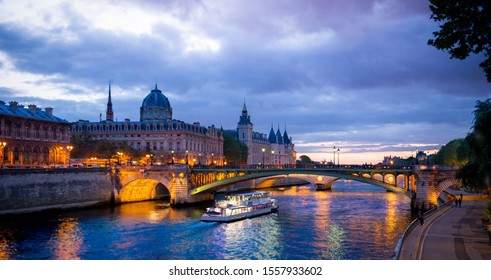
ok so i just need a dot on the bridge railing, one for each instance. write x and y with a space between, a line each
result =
303 166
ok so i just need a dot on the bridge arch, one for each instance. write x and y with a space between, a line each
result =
445 184
143 189
217 185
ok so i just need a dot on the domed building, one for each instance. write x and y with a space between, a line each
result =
158 134
155 107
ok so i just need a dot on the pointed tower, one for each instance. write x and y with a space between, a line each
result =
286 139
109 111
278 136
272 137
244 130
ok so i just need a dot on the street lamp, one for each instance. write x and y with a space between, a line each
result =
264 150
338 158
334 155
199 159
69 149
172 153
272 155
187 157
212 154
2 145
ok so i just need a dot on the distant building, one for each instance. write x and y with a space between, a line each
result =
273 149
32 136
158 134
390 160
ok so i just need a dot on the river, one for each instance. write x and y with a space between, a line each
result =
352 221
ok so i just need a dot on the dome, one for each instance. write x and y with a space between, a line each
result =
155 107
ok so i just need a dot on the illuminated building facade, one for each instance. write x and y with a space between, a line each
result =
276 149
163 138
32 136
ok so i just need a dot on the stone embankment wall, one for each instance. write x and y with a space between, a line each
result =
31 190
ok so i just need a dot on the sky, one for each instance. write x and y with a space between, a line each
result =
357 75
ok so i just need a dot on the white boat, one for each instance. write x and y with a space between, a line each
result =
240 206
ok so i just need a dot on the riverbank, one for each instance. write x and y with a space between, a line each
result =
453 233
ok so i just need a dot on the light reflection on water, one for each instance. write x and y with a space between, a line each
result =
353 221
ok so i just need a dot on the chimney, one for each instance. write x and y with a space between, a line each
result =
13 105
32 108
49 111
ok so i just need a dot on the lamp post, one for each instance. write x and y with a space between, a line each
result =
187 157
172 153
338 158
434 160
69 149
272 155
264 150
334 155
212 161
199 159
2 145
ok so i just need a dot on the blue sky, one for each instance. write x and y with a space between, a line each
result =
357 75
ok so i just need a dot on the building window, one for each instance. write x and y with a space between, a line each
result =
170 146
138 145
178 146
154 146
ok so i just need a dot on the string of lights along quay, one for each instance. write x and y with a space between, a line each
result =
352 221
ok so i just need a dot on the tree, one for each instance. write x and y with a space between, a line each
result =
454 153
85 146
477 172
465 28
305 160
234 150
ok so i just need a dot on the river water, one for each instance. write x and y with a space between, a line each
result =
352 221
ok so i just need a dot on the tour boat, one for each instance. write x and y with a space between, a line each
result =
240 206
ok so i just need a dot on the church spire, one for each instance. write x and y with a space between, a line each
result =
109 111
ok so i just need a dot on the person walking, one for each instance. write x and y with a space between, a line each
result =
421 218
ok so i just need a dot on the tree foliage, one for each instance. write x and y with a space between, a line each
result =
465 28
454 153
477 172
85 146
305 160
234 150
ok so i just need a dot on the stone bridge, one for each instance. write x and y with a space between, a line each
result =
184 185
28 190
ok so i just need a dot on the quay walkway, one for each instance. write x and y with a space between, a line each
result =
451 233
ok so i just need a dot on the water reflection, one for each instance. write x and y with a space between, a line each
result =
353 221
66 242
7 245
135 213
256 238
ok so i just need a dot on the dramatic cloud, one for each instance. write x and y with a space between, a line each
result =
357 75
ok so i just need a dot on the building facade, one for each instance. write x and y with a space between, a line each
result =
32 136
276 149
163 138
